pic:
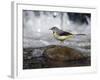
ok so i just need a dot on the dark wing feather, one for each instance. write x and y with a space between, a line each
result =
63 33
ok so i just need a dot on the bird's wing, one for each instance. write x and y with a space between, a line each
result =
63 33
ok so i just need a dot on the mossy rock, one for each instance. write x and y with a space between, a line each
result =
62 53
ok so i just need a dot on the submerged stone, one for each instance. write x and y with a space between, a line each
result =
62 53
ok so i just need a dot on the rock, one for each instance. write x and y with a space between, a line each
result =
54 56
62 53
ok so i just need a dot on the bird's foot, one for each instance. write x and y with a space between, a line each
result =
61 42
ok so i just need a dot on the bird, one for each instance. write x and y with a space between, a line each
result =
62 35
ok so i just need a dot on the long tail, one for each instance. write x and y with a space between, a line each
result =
79 34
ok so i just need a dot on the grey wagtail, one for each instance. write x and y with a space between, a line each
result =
62 35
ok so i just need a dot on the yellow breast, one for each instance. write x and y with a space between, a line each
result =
61 38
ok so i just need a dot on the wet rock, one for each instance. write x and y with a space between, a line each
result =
54 56
62 53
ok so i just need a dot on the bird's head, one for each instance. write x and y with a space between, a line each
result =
54 28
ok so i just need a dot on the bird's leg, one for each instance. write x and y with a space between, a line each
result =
61 42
